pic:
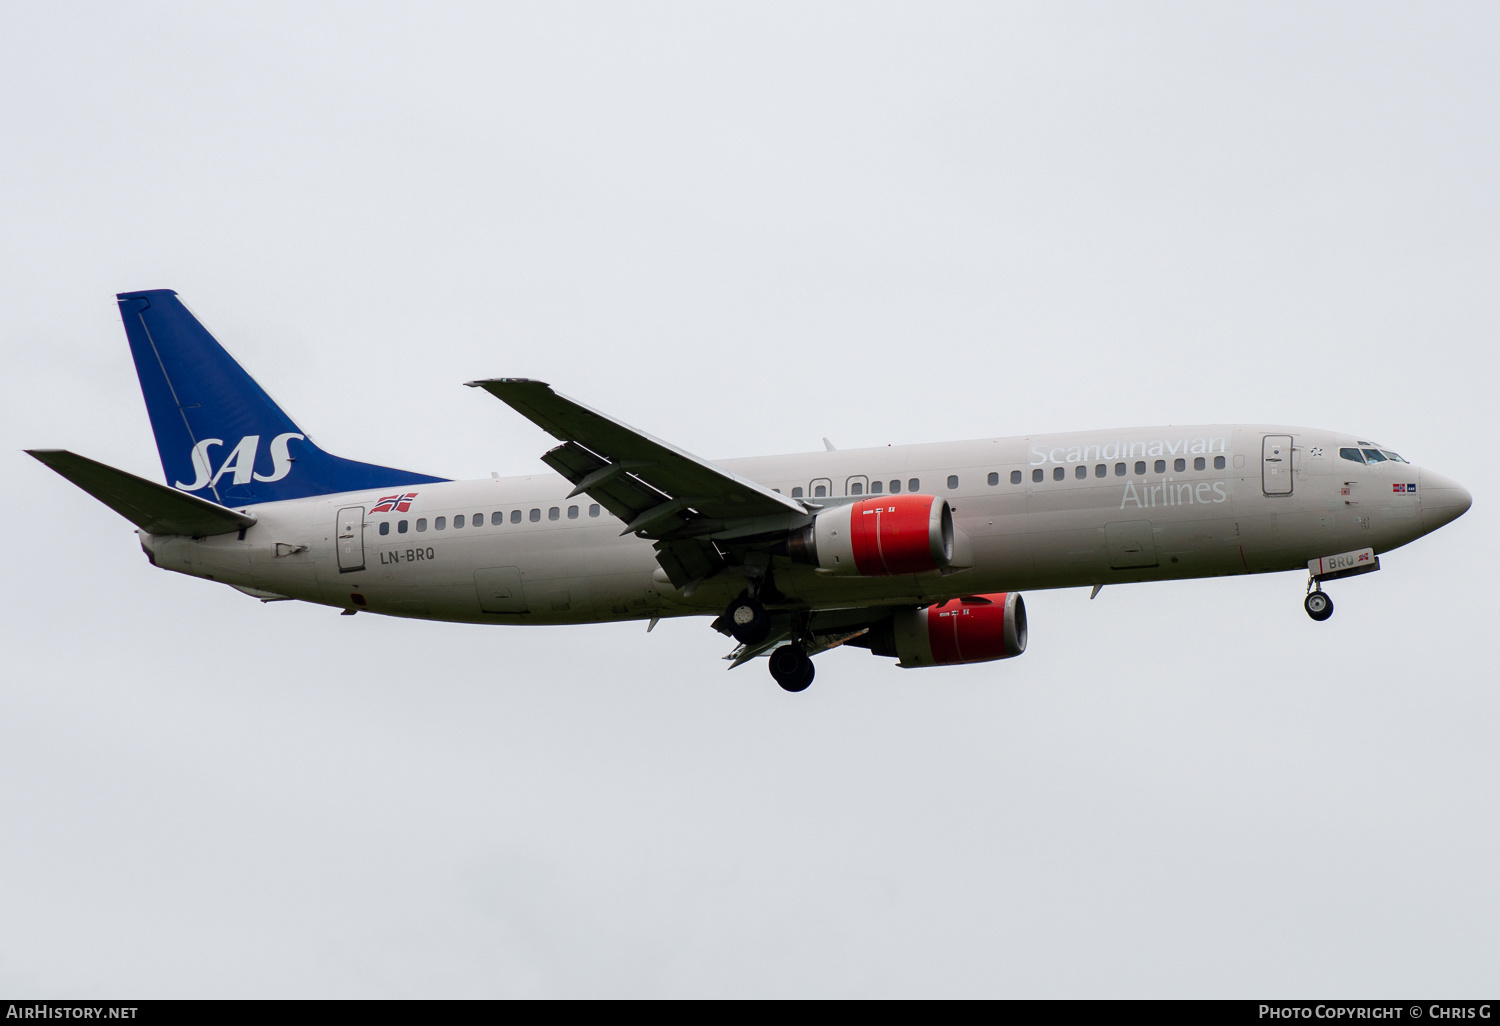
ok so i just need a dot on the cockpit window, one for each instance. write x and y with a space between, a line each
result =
1374 456
1391 456
1351 454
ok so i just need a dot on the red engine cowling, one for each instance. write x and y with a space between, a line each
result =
974 629
879 537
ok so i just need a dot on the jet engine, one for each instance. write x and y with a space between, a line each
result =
973 629
878 537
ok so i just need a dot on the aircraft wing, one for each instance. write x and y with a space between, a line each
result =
655 488
154 508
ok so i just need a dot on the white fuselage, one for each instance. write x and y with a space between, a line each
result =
1092 518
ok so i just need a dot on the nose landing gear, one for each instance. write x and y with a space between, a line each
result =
1333 568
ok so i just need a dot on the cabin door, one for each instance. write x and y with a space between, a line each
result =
1276 465
351 539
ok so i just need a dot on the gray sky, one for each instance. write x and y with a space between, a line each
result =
743 228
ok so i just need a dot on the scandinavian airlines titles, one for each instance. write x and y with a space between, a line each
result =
1174 493
1123 450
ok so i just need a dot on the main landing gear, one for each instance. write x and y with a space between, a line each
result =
747 619
1318 605
792 667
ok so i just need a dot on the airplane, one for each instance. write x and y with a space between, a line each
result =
916 552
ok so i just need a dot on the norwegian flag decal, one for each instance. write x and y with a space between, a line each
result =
394 503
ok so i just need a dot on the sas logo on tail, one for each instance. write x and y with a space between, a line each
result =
395 504
240 462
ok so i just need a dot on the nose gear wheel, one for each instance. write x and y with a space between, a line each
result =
1318 605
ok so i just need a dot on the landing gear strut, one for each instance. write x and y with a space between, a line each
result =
1318 605
792 667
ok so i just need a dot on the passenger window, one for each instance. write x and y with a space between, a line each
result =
1161 466
385 527
1058 473
421 524
440 523
572 512
1036 475
796 493
1218 463
401 527
458 521
554 513
952 482
515 516
1199 464
497 518
1140 466
876 487
1015 477
895 487
536 516
1119 470
914 485
593 509
478 519
1100 470
1373 456
820 492
1080 472
994 478
857 488
1179 465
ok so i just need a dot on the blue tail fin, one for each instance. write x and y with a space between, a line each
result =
219 434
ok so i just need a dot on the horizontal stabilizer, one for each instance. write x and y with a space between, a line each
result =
154 508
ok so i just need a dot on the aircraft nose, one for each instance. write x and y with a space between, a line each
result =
1442 501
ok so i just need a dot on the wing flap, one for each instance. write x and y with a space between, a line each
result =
609 484
154 508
